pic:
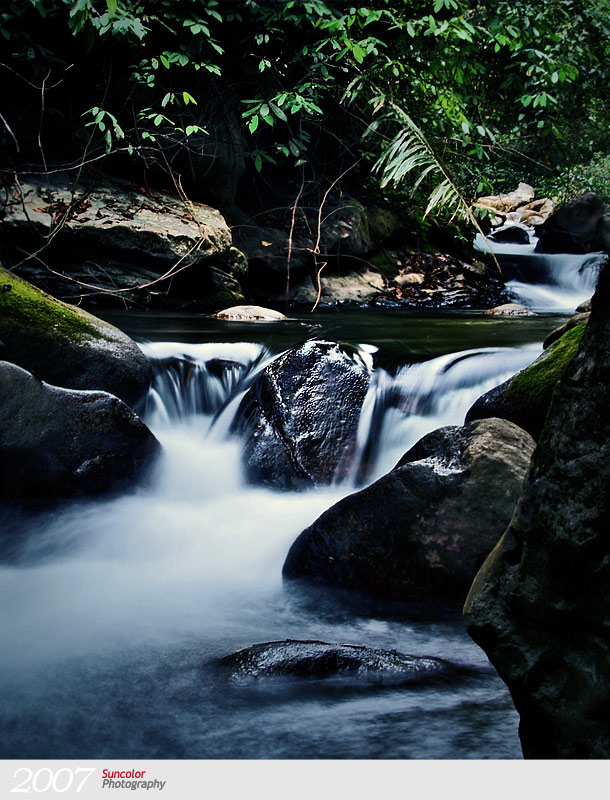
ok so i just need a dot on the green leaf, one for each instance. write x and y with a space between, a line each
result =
253 124
188 98
112 7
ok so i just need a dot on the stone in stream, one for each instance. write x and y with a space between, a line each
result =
58 443
525 398
300 417
66 346
514 234
315 659
249 313
422 530
540 605
510 310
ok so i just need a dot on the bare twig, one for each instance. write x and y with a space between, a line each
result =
8 128
316 249
290 235
319 277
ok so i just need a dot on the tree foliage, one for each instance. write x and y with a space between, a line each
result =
441 98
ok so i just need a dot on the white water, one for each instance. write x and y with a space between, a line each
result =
550 282
195 548
135 596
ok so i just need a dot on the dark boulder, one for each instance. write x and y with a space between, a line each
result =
423 529
525 398
540 605
513 234
314 659
300 417
573 227
58 443
66 346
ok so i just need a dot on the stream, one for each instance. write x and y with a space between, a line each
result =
117 610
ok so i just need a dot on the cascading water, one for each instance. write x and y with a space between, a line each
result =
544 281
121 606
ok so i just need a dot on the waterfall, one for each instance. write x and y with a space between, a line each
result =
123 604
545 281
202 386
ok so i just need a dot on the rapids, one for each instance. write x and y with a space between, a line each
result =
115 611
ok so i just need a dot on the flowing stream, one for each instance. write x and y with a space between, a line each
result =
115 611
544 282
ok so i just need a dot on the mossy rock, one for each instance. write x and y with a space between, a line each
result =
525 398
67 346
387 262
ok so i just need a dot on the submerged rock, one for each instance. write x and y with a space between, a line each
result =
66 346
525 398
300 417
246 313
315 659
540 606
423 529
58 443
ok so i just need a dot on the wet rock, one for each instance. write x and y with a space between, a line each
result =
245 313
315 659
423 529
573 227
300 417
513 234
540 606
510 310
553 336
58 443
586 306
525 398
66 346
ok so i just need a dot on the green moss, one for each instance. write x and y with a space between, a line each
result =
22 304
386 262
534 386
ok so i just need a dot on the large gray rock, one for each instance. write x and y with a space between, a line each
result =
315 659
115 240
540 605
300 417
423 529
118 215
57 443
66 346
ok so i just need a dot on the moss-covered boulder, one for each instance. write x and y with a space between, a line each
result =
540 606
66 346
58 443
525 398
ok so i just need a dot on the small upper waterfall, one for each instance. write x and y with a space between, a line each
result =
545 281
